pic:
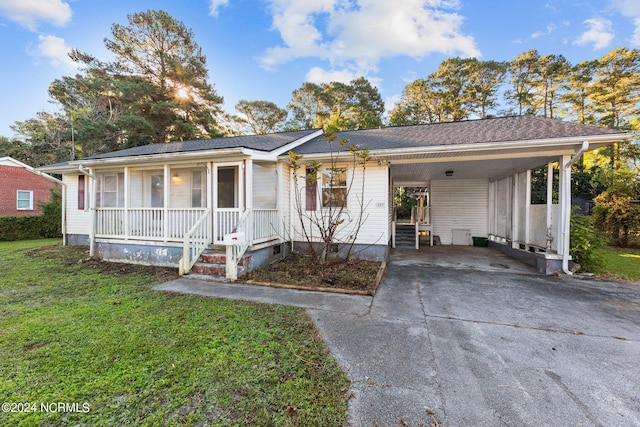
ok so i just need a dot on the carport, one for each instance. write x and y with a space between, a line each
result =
478 178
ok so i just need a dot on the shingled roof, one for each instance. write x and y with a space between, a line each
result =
503 129
267 142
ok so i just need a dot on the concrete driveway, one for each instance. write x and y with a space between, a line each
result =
473 338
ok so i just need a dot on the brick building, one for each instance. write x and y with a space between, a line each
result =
22 188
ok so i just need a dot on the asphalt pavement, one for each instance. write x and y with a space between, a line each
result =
469 337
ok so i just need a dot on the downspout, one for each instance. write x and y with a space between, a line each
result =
566 182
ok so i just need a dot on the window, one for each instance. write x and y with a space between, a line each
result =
24 200
81 193
157 191
196 189
110 192
334 188
311 190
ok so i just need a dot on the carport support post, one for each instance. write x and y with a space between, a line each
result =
565 210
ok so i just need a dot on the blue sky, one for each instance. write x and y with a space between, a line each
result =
264 49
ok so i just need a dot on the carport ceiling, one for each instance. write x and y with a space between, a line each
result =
432 169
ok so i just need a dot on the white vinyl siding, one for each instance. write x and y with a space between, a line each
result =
375 228
78 221
265 186
185 191
459 205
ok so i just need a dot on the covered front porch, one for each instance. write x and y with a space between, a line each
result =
190 206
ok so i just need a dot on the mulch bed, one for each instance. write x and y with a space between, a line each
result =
301 272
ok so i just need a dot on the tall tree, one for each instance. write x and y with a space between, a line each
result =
523 70
450 82
357 105
46 137
552 72
577 89
260 117
419 104
484 81
616 96
160 77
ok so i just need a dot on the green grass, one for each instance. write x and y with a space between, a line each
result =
80 331
619 263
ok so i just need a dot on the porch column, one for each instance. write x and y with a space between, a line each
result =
565 205
515 217
248 184
527 208
166 195
92 209
209 188
127 203
549 204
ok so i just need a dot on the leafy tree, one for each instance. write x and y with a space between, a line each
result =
260 117
615 211
335 105
155 90
418 105
552 73
577 89
457 90
450 83
485 79
15 148
46 138
523 69
93 110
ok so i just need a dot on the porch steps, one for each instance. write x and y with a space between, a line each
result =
405 236
212 264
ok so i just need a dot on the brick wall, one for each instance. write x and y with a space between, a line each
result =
14 178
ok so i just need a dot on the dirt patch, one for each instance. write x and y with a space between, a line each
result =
80 255
302 272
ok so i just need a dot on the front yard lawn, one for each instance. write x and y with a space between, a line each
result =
619 263
95 337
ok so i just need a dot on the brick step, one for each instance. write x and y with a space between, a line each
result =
214 265
216 258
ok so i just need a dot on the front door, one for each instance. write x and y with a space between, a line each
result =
228 198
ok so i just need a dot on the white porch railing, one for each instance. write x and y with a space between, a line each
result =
236 250
146 223
421 215
195 242
226 220
265 225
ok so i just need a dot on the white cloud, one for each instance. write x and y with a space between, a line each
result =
600 33
318 75
550 29
635 38
630 9
29 13
214 7
56 51
357 34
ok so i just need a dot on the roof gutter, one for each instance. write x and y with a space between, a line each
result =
566 192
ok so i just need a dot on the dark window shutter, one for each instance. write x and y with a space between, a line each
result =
81 192
311 193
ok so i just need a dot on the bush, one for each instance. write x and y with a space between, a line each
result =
47 225
585 243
